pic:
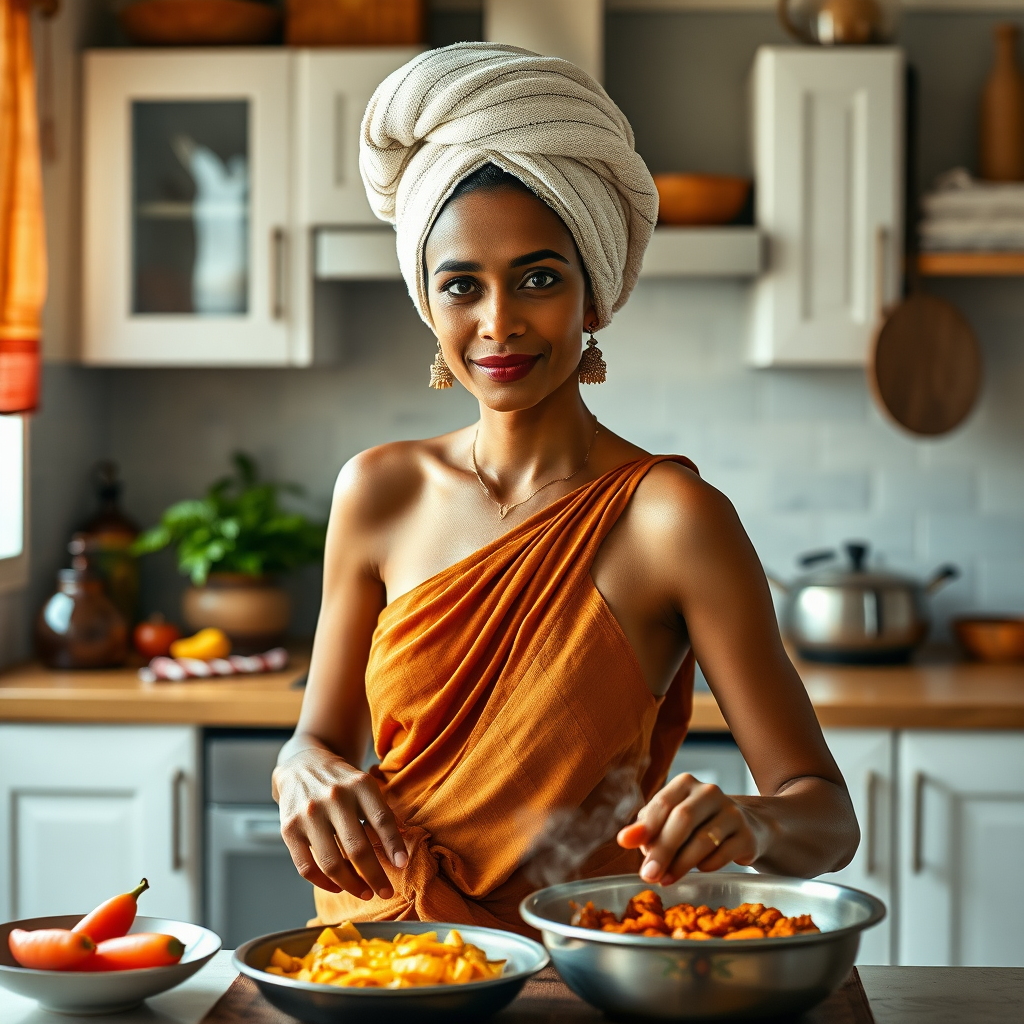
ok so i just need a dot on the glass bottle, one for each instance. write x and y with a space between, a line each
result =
78 627
107 538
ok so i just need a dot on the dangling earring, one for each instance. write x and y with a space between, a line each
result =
440 375
593 368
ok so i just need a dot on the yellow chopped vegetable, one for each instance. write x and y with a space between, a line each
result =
341 956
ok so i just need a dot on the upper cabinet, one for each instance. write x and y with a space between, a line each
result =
828 157
206 173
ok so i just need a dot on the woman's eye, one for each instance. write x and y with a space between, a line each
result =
458 286
540 279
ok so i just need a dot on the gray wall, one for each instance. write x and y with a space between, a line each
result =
803 454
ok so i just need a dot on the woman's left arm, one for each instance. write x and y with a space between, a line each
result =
803 822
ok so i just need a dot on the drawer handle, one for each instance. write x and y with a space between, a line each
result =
277 273
873 779
917 857
177 860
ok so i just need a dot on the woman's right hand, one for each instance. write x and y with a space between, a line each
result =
330 815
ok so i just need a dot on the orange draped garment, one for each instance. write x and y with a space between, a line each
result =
515 728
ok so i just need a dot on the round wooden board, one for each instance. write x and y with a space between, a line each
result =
925 368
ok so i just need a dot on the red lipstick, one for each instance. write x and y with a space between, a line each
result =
505 369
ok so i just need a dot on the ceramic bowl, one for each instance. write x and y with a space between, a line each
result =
700 199
426 1004
81 992
992 637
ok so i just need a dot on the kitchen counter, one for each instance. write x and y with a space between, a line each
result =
898 995
935 692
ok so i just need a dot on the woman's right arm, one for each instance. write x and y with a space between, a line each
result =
331 810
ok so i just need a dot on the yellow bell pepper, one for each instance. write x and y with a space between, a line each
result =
206 645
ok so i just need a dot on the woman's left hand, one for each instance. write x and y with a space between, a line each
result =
689 824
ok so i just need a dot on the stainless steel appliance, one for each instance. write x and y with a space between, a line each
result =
856 615
252 886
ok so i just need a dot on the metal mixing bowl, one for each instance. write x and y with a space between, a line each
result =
673 979
331 1004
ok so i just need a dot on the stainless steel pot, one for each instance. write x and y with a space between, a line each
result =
854 615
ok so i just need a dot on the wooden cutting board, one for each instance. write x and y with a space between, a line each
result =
545 999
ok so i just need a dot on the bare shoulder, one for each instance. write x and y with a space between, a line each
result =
382 483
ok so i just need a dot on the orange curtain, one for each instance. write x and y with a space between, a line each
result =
22 235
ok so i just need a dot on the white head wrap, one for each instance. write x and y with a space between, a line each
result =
448 112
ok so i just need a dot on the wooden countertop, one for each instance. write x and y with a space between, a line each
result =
934 693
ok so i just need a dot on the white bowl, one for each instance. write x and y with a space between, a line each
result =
84 992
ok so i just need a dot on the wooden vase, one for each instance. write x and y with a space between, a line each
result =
1001 156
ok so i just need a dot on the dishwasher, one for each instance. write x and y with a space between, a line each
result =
252 887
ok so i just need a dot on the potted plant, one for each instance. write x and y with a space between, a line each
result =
232 544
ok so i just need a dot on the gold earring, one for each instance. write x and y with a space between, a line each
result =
441 376
593 368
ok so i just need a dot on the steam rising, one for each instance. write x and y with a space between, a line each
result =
570 835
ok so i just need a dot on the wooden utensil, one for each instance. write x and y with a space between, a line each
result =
925 363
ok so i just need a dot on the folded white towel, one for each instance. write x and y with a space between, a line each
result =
972 235
958 196
448 112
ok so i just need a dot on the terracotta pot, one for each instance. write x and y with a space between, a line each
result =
991 638
252 611
1002 112
199 22
700 198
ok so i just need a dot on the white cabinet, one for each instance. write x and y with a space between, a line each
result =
866 759
206 175
332 90
828 156
962 849
86 811
187 208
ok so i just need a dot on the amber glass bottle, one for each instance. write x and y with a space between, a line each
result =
1002 112
107 537
79 627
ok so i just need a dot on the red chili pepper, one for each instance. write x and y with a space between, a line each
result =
113 918
50 949
131 952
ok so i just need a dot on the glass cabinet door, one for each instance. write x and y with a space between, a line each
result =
190 207
188 227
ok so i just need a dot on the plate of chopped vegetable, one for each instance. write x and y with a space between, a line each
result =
391 969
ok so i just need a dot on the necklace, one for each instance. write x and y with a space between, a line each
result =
503 510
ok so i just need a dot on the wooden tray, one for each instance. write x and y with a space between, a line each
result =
544 1000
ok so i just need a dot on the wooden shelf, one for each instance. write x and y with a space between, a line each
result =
971 264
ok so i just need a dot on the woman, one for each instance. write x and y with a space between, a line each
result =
513 610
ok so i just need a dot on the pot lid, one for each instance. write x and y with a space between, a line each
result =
852 574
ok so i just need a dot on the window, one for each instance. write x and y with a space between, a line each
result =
13 503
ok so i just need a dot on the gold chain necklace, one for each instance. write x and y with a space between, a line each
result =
503 510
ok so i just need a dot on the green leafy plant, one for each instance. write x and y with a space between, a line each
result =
238 527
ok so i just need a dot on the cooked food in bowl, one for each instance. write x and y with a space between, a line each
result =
637 975
645 915
341 956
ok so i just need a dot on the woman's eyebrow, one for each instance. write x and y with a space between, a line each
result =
540 254
459 266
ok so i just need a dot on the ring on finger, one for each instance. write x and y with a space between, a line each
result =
711 835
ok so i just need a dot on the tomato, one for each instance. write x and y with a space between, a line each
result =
153 639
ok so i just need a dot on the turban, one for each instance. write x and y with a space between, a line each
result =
450 111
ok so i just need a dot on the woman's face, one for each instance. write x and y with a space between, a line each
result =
507 296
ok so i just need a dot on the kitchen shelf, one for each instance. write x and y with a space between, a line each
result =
971 264
355 254
703 252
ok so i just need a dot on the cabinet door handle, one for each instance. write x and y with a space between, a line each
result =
277 261
177 860
917 854
881 247
873 779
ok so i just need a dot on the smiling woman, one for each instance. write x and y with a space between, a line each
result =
513 610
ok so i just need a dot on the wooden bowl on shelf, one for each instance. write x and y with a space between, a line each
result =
991 637
199 22
700 199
